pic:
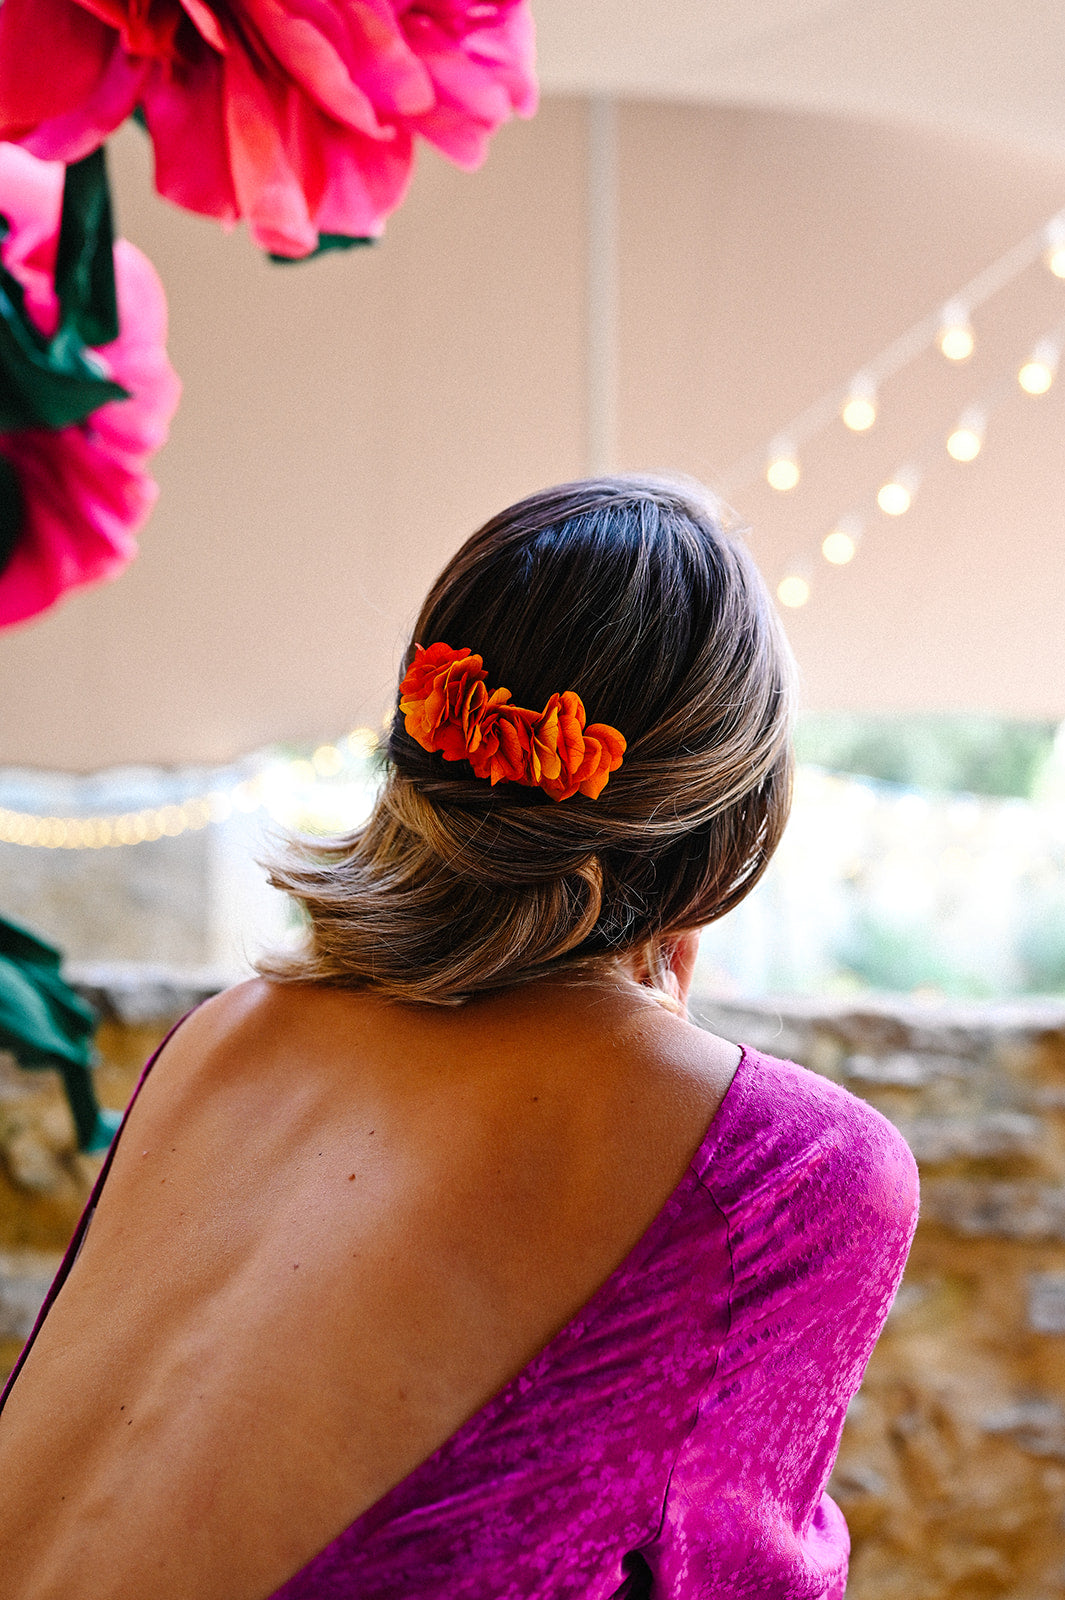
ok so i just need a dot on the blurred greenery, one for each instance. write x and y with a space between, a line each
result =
902 957
942 754
1041 944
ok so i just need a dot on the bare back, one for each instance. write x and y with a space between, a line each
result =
334 1227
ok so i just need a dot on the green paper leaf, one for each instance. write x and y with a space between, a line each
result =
44 383
85 258
327 242
52 383
44 1023
12 511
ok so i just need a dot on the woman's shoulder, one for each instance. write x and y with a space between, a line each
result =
260 1017
792 1135
255 1045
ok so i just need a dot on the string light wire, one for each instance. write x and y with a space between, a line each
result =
261 791
963 443
902 351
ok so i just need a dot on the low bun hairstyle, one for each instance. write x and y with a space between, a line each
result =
629 591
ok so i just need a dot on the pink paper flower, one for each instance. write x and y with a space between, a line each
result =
299 115
85 488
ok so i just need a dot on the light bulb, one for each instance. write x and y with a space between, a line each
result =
955 335
859 408
171 821
964 444
1035 377
859 413
894 498
957 343
196 813
363 741
838 547
1038 372
966 440
247 796
793 590
327 761
782 471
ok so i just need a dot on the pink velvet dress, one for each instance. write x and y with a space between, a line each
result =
674 1439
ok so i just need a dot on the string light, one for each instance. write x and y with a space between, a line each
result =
782 471
896 496
841 545
93 833
1038 372
956 339
894 499
966 441
859 408
793 591
362 742
327 761
247 796
173 819
947 326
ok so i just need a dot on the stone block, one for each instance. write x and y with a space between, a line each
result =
136 994
936 1141
1036 1426
996 1210
1046 1302
902 1067
25 1278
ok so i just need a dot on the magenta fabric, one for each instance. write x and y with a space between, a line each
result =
675 1438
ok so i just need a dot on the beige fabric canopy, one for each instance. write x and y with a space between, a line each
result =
983 67
796 183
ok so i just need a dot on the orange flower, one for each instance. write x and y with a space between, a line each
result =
439 700
587 755
604 748
425 667
502 753
545 761
447 708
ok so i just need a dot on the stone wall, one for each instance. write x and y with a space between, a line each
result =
952 1468
147 904
44 1180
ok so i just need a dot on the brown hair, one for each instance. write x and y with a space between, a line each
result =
629 591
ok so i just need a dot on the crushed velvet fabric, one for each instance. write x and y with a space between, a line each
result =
674 1439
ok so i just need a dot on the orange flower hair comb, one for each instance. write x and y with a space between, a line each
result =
446 707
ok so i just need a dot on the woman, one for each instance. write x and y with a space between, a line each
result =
448 1258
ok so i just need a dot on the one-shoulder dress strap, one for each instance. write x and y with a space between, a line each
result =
78 1237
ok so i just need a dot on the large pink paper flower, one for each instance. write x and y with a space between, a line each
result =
299 115
85 489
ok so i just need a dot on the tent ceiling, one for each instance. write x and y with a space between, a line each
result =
983 67
825 175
